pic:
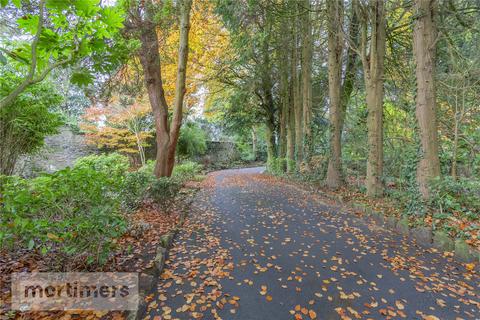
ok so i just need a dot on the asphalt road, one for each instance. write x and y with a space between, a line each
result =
257 248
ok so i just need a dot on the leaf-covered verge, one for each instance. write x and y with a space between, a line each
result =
454 206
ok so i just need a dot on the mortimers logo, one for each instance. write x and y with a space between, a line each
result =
75 291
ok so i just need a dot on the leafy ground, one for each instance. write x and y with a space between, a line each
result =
454 222
135 253
257 248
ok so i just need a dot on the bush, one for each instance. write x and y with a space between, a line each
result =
192 141
135 188
186 171
277 166
75 211
461 196
148 167
112 164
26 122
163 190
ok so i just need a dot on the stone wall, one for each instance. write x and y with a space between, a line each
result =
220 153
60 151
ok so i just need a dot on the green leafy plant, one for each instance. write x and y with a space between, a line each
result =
192 141
163 190
59 34
461 196
26 122
75 211
186 171
134 189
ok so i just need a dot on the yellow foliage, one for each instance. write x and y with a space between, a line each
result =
208 41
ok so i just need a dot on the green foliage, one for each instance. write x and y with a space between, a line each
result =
75 211
461 196
245 150
135 187
81 34
277 166
115 165
148 167
186 171
163 190
192 141
27 121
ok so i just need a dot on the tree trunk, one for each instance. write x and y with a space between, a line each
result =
150 60
284 108
166 137
424 43
335 48
291 133
455 150
270 141
373 71
351 65
307 48
185 7
254 143
297 98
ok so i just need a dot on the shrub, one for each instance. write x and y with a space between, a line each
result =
75 211
277 166
134 189
186 171
26 122
163 190
192 141
112 164
148 167
460 196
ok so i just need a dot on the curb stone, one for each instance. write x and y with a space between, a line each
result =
423 235
437 239
148 279
441 240
464 252
402 227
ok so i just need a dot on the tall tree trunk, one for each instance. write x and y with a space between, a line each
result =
351 64
166 137
373 70
185 7
424 43
335 48
291 132
284 100
270 140
254 143
268 102
297 98
455 149
307 51
150 60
